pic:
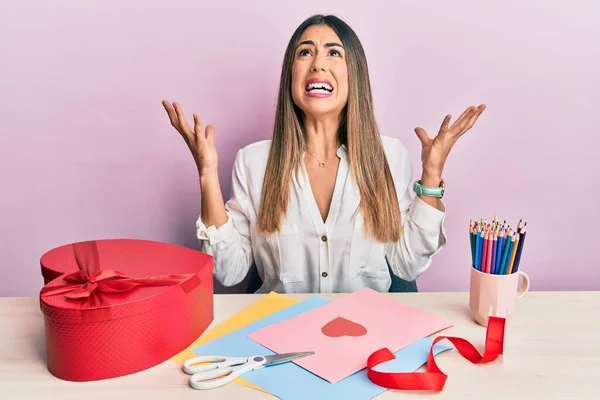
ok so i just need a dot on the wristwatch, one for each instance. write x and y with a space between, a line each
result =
429 191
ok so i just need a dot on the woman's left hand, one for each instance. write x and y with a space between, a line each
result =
435 151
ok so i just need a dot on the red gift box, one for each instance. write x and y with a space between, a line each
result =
120 306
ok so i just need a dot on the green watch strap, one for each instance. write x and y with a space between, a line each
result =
429 191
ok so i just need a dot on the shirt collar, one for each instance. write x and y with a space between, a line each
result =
342 152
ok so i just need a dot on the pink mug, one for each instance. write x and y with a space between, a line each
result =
495 295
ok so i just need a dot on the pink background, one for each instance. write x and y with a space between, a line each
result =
86 150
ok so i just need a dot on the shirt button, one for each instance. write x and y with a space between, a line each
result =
324 274
324 238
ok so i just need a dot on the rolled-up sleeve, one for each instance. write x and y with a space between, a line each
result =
230 244
423 232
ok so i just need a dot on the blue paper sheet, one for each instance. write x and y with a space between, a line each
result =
290 381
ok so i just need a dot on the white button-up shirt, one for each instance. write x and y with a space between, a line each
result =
311 255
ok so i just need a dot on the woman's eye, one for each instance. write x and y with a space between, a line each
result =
306 52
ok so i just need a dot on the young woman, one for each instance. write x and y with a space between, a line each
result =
328 203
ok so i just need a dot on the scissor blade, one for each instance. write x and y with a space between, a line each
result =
285 357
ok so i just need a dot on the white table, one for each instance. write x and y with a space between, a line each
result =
552 350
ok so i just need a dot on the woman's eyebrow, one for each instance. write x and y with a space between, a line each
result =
310 42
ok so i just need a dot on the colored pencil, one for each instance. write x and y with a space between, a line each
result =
514 254
488 261
486 239
499 252
510 241
478 251
504 252
493 259
472 240
520 249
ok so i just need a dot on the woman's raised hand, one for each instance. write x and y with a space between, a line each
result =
435 151
201 144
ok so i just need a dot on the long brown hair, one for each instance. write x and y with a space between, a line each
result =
358 131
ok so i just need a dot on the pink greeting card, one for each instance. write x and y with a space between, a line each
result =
344 332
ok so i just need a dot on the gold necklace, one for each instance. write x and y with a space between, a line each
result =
321 164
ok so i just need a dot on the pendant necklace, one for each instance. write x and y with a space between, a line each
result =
321 164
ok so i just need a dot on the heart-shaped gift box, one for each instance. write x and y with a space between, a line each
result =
119 306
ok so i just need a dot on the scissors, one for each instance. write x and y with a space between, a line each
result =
208 372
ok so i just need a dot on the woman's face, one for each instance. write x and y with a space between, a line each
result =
320 73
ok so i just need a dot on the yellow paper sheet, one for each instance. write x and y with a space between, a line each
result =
264 307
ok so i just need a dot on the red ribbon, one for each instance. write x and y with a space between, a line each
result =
434 378
90 282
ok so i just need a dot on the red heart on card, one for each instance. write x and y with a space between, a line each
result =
343 327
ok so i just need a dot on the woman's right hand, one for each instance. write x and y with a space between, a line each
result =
202 146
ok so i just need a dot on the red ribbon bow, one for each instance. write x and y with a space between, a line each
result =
434 378
90 282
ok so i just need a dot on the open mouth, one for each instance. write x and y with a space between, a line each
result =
318 87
